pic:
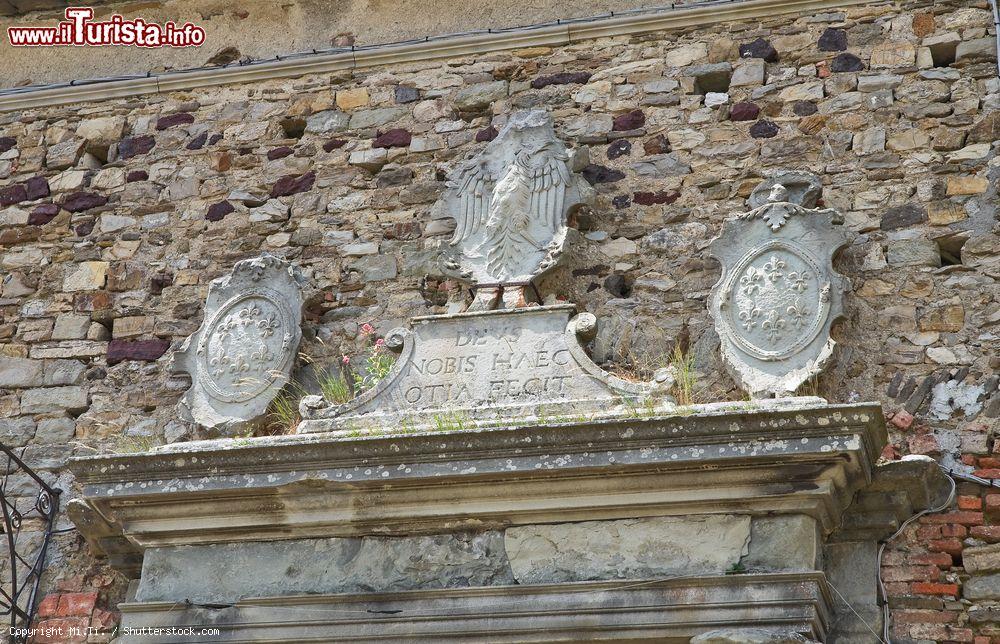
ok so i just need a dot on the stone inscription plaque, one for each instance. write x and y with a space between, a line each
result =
485 366
778 295
242 354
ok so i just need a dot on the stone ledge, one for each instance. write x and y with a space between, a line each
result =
563 34
664 610
810 459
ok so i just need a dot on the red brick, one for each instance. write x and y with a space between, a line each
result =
892 558
902 419
929 588
72 584
77 604
960 634
924 616
989 462
988 473
939 559
992 503
969 459
924 444
964 517
989 533
954 530
928 532
910 573
57 631
47 607
104 620
981 640
973 502
951 546
935 632
897 589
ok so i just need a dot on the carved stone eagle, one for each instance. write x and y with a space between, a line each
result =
510 204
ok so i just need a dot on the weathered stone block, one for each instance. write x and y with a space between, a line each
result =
327 121
80 201
684 55
479 96
173 120
366 564
960 185
802 92
135 146
85 276
56 431
949 318
64 155
54 399
748 72
913 252
63 372
71 326
293 184
893 54
759 48
976 50
20 372
16 432
103 130
978 588
371 159
784 543
146 350
643 548
349 99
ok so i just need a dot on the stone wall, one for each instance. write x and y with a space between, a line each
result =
114 217
232 33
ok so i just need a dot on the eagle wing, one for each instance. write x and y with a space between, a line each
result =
548 194
474 188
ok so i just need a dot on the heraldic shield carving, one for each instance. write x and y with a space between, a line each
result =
778 295
243 353
510 205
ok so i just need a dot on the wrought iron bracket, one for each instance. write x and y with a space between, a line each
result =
29 517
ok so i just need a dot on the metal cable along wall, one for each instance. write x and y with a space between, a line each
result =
25 557
652 10
952 474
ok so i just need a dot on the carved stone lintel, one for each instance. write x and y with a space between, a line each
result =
484 367
510 204
778 295
242 355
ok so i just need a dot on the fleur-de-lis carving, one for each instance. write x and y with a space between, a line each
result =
748 317
798 313
268 326
773 267
797 281
772 325
750 282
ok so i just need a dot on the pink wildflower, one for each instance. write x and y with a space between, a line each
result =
346 359
367 329
380 343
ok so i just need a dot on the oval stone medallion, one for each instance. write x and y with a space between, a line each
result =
778 302
245 347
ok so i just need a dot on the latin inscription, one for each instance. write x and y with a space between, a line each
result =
481 369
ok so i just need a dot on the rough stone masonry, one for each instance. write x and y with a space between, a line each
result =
116 215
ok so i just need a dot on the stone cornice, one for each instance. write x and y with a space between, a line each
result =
772 458
447 47
661 610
